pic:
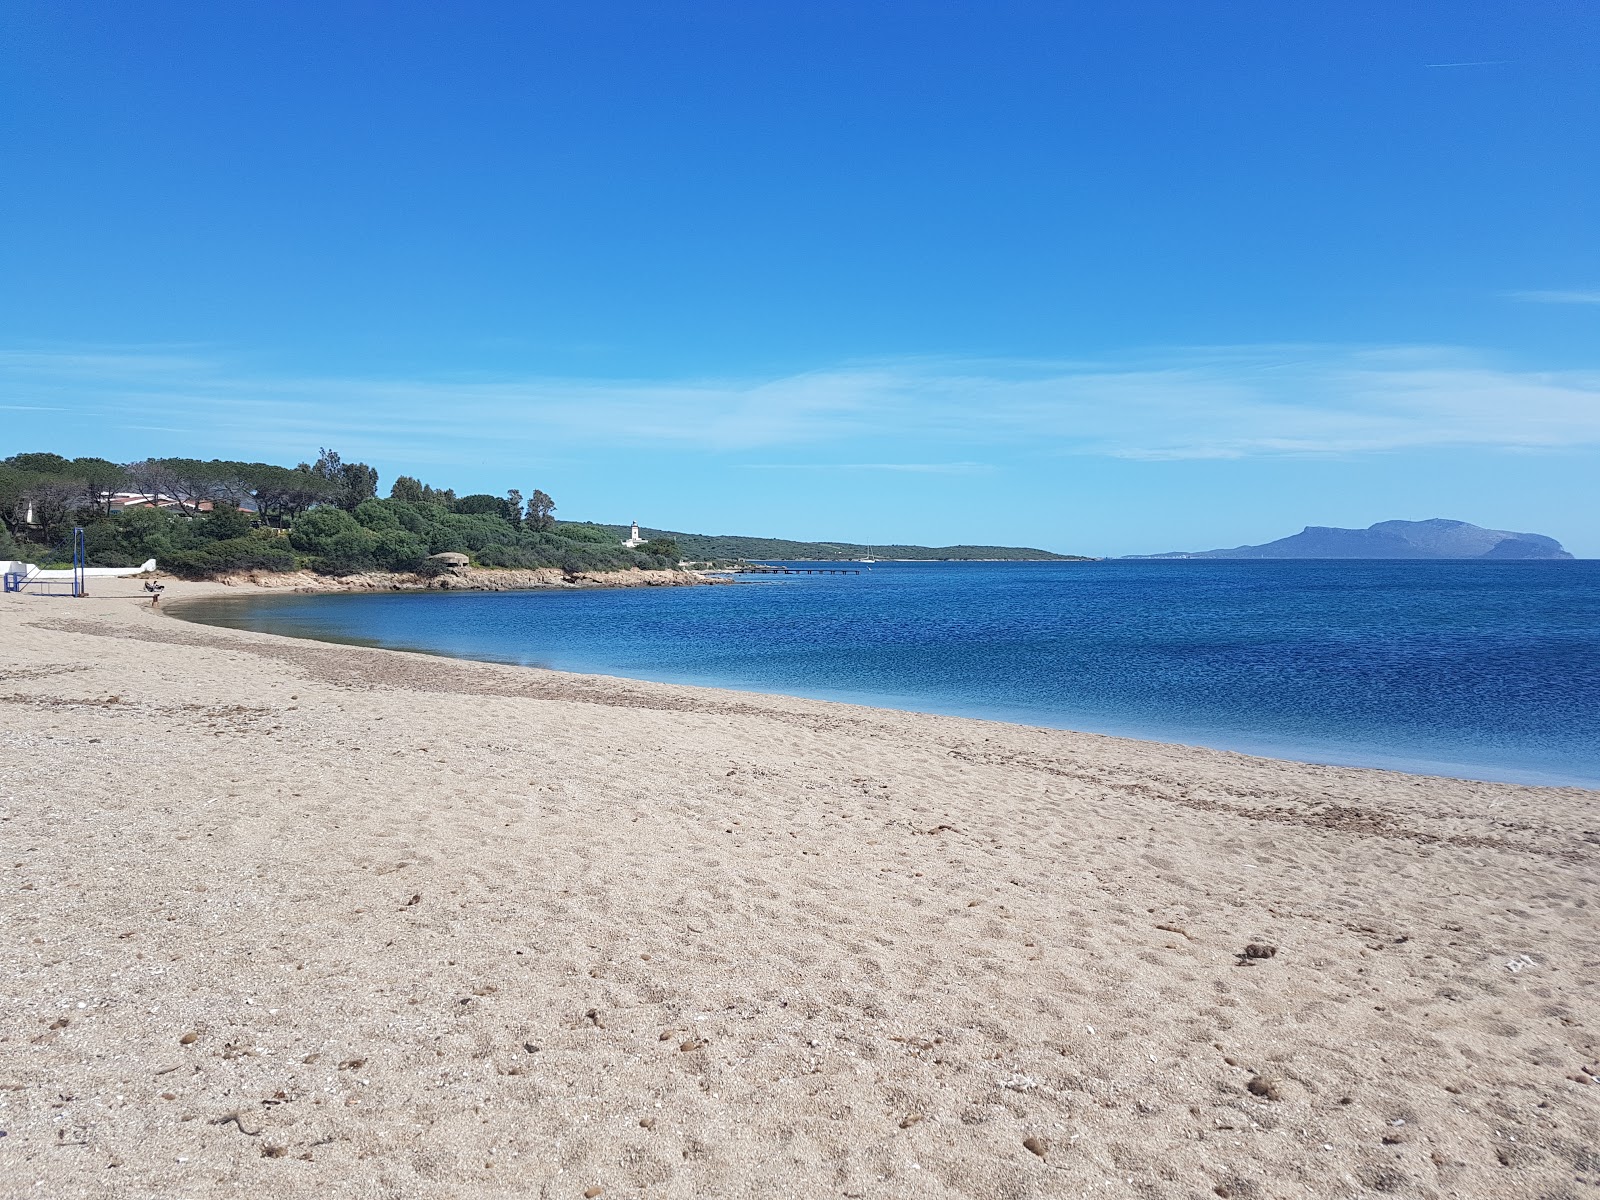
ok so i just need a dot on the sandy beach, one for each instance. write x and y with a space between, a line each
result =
286 919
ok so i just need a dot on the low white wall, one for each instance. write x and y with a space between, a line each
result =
32 572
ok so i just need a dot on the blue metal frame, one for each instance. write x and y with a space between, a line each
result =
78 585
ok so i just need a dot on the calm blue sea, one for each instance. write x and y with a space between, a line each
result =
1484 670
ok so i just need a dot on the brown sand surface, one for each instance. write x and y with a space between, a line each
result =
285 919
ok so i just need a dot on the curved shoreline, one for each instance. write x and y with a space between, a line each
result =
182 593
314 912
1261 746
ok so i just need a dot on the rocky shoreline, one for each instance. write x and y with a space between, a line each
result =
470 579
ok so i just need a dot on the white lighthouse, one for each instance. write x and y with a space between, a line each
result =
633 537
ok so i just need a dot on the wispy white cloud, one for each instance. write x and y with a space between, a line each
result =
1485 62
1573 296
1195 402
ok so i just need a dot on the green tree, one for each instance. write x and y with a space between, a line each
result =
134 535
153 479
360 483
406 488
281 493
45 493
223 522
541 512
17 487
314 531
351 483
478 505
236 483
514 499
40 463
376 515
102 479
194 483
327 534
52 500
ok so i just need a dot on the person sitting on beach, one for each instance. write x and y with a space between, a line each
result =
155 589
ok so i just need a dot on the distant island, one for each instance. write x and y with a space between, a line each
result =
1437 538
707 547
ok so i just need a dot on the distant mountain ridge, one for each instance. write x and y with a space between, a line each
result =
704 547
1436 538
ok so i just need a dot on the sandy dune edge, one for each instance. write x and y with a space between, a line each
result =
445 929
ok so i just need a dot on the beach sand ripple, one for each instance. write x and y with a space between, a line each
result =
286 919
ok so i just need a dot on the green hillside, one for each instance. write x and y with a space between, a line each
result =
701 547
201 519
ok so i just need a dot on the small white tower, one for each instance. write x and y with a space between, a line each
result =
633 537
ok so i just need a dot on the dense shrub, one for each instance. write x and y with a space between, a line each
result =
387 535
375 515
494 506
397 550
131 537
576 532
501 555
321 529
227 555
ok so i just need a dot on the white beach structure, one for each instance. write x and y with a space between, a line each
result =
28 572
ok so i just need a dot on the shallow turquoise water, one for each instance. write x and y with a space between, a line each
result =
1485 670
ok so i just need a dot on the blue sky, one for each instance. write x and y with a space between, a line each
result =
1101 278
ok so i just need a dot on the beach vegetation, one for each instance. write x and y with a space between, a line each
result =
227 556
582 532
200 517
663 547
